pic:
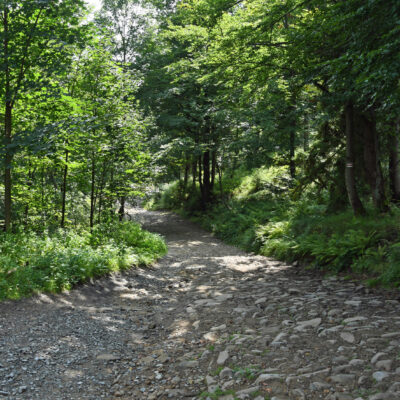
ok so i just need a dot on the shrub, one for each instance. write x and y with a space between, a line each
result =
31 263
170 197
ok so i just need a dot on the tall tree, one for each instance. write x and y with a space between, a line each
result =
34 38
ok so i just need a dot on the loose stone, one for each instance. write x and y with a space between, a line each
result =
343 379
348 337
222 357
380 375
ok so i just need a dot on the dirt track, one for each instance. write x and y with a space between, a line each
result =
206 318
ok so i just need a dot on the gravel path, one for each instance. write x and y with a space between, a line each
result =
208 321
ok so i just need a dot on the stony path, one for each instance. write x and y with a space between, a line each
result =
208 321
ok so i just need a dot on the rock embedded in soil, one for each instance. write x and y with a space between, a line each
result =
348 337
380 375
222 357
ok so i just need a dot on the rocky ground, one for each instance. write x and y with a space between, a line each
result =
207 322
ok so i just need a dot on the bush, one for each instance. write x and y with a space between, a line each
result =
31 263
170 197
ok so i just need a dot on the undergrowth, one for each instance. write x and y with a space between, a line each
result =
53 262
258 213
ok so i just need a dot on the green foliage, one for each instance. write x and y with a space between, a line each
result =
130 237
169 198
249 373
75 142
270 181
53 262
335 242
216 394
173 196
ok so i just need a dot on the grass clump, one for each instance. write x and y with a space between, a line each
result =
248 373
53 262
216 394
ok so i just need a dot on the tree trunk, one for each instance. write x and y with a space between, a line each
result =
101 194
186 178
42 186
372 163
306 139
92 194
213 168
64 189
235 151
337 189
201 185
394 163
221 189
194 173
29 186
350 177
292 163
206 177
7 128
121 210
112 189
7 166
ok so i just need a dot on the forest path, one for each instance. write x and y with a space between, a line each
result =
207 315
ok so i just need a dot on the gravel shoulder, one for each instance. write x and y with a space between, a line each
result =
208 321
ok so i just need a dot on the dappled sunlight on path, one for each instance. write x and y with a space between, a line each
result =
207 316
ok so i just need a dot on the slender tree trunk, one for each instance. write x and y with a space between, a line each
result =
64 189
236 151
201 184
372 163
292 163
292 116
7 127
121 210
7 166
29 185
101 194
200 177
221 190
292 137
26 216
354 199
186 178
92 192
394 163
206 177
306 140
213 168
290 123
194 173
112 190
42 195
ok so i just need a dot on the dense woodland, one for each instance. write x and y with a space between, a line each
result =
277 122
312 84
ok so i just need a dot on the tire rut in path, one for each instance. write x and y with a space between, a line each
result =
206 318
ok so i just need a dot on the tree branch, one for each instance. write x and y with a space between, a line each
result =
321 87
